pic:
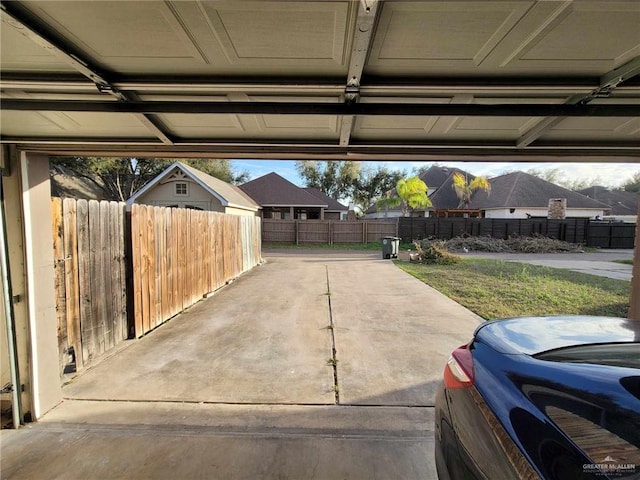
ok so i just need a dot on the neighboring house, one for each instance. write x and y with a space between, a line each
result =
623 205
439 181
335 210
521 195
282 200
182 186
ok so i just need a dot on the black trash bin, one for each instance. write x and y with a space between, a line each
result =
390 247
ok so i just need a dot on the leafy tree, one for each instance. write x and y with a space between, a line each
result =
372 184
633 183
465 189
411 193
551 175
219 168
335 178
121 177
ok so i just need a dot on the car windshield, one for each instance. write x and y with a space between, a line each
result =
615 354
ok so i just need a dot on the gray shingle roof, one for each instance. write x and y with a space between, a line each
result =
232 193
437 175
621 202
333 205
273 190
520 189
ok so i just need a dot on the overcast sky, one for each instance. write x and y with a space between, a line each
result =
608 174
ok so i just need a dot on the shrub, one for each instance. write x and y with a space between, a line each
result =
434 252
515 244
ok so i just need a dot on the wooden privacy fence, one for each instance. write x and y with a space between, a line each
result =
327 231
90 278
179 255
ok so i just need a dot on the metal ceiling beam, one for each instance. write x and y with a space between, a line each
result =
368 14
178 80
490 152
608 82
75 60
310 108
41 82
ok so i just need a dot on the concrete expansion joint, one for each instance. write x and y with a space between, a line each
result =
333 361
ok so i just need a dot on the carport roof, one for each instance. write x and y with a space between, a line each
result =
433 80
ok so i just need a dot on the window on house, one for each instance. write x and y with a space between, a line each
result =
181 189
276 215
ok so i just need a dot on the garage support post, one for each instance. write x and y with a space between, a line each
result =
46 391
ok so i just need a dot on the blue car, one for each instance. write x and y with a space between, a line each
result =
553 398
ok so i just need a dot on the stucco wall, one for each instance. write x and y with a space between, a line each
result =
382 215
43 333
241 211
539 212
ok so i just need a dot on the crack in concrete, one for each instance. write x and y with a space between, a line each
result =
334 352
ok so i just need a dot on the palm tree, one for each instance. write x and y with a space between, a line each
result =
411 194
464 189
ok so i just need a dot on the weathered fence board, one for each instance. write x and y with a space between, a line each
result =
57 215
72 277
180 255
176 256
89 254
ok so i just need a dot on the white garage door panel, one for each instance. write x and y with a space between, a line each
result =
74 124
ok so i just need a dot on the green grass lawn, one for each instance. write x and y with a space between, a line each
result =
497 289
625 261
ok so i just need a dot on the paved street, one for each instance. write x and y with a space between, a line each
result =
599 263
313 365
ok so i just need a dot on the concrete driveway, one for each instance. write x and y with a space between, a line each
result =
314 365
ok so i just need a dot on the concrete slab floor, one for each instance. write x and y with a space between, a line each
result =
240 386
140 440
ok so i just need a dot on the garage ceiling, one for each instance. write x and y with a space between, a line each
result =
396 80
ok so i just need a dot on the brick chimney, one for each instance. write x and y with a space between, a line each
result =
557 209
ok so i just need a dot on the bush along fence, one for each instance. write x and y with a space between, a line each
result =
327 231
584 231
117 279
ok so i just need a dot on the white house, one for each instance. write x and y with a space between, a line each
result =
521 195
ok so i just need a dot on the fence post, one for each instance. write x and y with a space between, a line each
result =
330 232
364 232
295 227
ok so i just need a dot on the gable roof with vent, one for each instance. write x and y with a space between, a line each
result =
228 195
